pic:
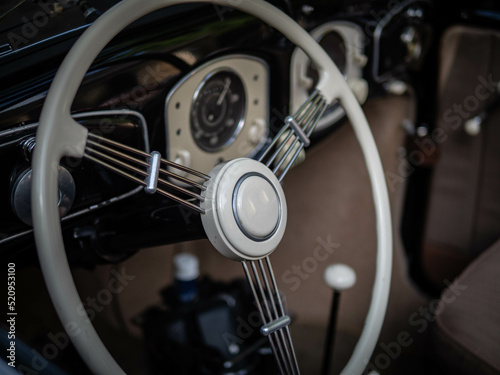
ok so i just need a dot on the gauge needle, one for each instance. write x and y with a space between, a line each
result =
224 91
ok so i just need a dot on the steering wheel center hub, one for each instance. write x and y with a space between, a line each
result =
245 210
256 206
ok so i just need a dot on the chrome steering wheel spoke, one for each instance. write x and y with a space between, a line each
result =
274 317
294 136
146 170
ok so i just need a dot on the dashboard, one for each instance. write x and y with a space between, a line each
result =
200 84
218 112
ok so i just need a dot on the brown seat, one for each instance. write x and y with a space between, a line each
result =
467 330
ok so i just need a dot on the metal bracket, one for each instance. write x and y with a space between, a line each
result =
298 130
153 173
275 325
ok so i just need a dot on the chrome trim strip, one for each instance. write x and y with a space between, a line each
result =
14 236
117 112
54 37
19 129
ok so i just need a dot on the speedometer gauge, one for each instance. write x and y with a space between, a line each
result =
218 110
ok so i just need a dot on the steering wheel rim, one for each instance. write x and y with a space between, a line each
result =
59 135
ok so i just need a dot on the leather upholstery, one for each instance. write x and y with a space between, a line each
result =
467 331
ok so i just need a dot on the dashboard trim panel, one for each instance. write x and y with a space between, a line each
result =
197 93
256 113
85 115
355 59
378 34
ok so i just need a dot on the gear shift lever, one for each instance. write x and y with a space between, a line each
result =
339 277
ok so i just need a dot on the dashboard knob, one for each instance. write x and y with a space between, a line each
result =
340 277
21 194
473 126
182 157
359 87
257 131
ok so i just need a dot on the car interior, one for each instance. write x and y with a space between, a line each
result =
235 187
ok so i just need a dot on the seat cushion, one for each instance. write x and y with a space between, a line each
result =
467 329
463 217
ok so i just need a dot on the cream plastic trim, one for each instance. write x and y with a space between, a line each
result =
380 293
355 60
256 115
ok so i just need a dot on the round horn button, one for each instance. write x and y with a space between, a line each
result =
245 209
256 207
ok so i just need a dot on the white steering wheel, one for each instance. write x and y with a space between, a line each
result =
60 135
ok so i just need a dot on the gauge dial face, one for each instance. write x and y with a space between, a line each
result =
218 110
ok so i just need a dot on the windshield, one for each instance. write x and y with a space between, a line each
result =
25 22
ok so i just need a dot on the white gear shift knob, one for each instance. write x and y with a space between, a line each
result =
340 277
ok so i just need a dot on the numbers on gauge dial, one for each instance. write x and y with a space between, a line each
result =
218 110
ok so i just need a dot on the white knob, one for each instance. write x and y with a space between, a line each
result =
186 267
340 277
359 87
182 157
396 87
257 131
473 126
